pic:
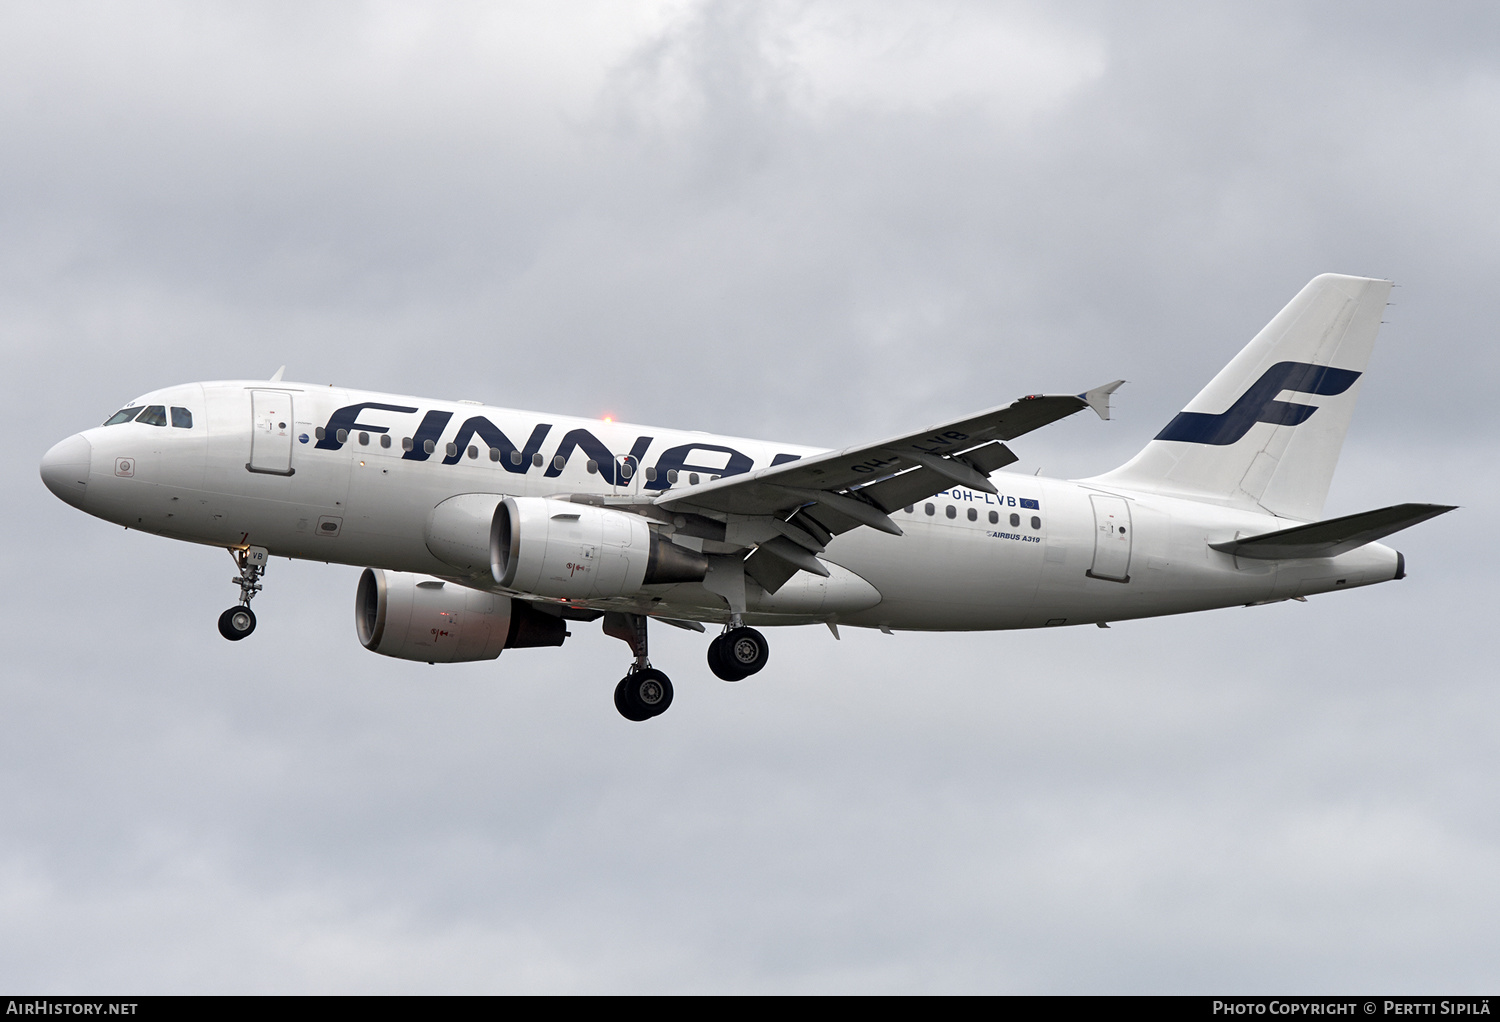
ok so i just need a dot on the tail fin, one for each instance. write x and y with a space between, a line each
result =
1238 442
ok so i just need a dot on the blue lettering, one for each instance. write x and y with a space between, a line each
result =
677 458
495 438
597 452
346 418
1258 404
433 424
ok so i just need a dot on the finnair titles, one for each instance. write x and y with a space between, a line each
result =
485 529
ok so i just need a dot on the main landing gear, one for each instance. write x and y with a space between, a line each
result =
645 692
738 653
239 621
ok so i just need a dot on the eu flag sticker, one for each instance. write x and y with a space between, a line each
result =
1031 504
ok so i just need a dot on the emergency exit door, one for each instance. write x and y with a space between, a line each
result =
1112 538
271 425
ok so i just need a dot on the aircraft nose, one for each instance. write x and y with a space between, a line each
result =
65 468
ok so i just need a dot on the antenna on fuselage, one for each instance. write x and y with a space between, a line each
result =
276 377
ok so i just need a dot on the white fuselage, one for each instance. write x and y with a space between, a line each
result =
253 470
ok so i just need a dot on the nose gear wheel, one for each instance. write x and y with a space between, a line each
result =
236 623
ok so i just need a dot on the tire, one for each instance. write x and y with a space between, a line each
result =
236 623
745 650
718 661
626 710
649 690
643 694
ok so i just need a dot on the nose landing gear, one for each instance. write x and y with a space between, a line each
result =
239 621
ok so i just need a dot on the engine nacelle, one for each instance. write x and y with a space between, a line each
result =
414 617
564 550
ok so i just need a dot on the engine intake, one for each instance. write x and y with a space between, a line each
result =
413 617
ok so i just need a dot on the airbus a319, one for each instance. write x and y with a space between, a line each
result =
483 529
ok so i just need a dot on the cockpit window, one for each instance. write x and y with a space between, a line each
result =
182 418
123 415
154 415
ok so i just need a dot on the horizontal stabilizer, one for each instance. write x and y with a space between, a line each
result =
1333 537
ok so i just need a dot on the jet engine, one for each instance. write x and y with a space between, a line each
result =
414 617
564 550
556 548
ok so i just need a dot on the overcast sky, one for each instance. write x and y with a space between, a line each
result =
812 222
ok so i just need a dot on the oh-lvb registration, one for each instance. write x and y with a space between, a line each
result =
486 529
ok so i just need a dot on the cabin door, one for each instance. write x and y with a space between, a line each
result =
271 426
1112 538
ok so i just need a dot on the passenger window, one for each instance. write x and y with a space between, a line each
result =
342 436
929 509
951 511
154 415
385 441
123 415
1015 521
650 473
592 466
473 452
558 461
911 508
364 440
1036 523
973 515
536 461
451 450
515 456
182 418
994 517
407 444
672 476
692 478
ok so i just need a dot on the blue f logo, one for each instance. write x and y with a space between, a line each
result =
1259 404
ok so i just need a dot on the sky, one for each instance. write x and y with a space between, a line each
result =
819 223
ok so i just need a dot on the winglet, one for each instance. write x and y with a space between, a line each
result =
1098 398
276 377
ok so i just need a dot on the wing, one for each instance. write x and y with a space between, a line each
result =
795 508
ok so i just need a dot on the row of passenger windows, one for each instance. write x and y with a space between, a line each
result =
952 512
626 470
152 415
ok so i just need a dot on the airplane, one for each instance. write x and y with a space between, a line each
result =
483 529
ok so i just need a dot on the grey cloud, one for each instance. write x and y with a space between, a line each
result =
659 223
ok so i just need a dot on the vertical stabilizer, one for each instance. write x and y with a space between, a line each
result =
1266 433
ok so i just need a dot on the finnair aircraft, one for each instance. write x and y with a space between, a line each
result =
484 529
